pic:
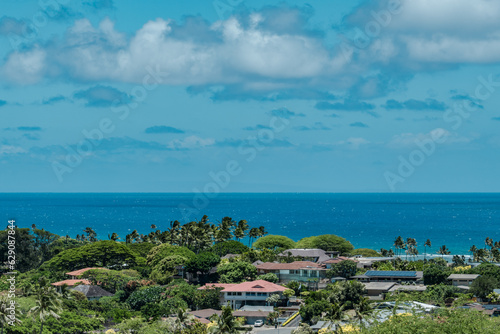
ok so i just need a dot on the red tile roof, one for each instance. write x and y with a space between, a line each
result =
255 286
72 282
81 271
288 266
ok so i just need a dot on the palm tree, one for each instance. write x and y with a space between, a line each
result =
262 231
113 236
5 315
473 251
253 234
427 244
183 319
443 250
488 242
174 232
398 244
48 303
91 234
153 226
242 228
225 323
362 308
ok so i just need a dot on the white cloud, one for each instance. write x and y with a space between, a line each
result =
102 53
438 135
353 143
9 149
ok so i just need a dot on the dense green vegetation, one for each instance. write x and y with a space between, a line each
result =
148 276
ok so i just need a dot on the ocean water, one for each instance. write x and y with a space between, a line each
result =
367 220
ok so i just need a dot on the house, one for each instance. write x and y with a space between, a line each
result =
295 271
390 276
490 310
77 273
408 288
250 313
314 254
462 280
377 290
92 292
72 282
328 263
367 262
247 293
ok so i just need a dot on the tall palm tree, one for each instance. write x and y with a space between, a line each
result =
5 315
226 323
48 303
443 250
262 231
183 319
91 234
174 232
488 242
242 228
253 234
113 236
398 244
427 244
473 251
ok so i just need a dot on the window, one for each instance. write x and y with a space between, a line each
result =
250 293
261 294
295 272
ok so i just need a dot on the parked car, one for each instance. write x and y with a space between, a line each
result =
258 323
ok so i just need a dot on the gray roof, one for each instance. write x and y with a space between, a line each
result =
257 308
379 285
463 276
399 287
305 252
92 291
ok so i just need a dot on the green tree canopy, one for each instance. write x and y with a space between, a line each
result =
274 242
365 252
158 253
236 272
487 270
270 277
228 247
346 268
327 242
483 286
162 272
98 254
434 274
141 248
202 262
111 280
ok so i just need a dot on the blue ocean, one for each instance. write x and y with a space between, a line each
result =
367 220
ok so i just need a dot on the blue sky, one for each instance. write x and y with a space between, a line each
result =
250 96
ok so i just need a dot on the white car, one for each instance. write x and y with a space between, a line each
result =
258 323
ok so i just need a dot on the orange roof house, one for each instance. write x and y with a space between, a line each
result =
72 282
79 272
